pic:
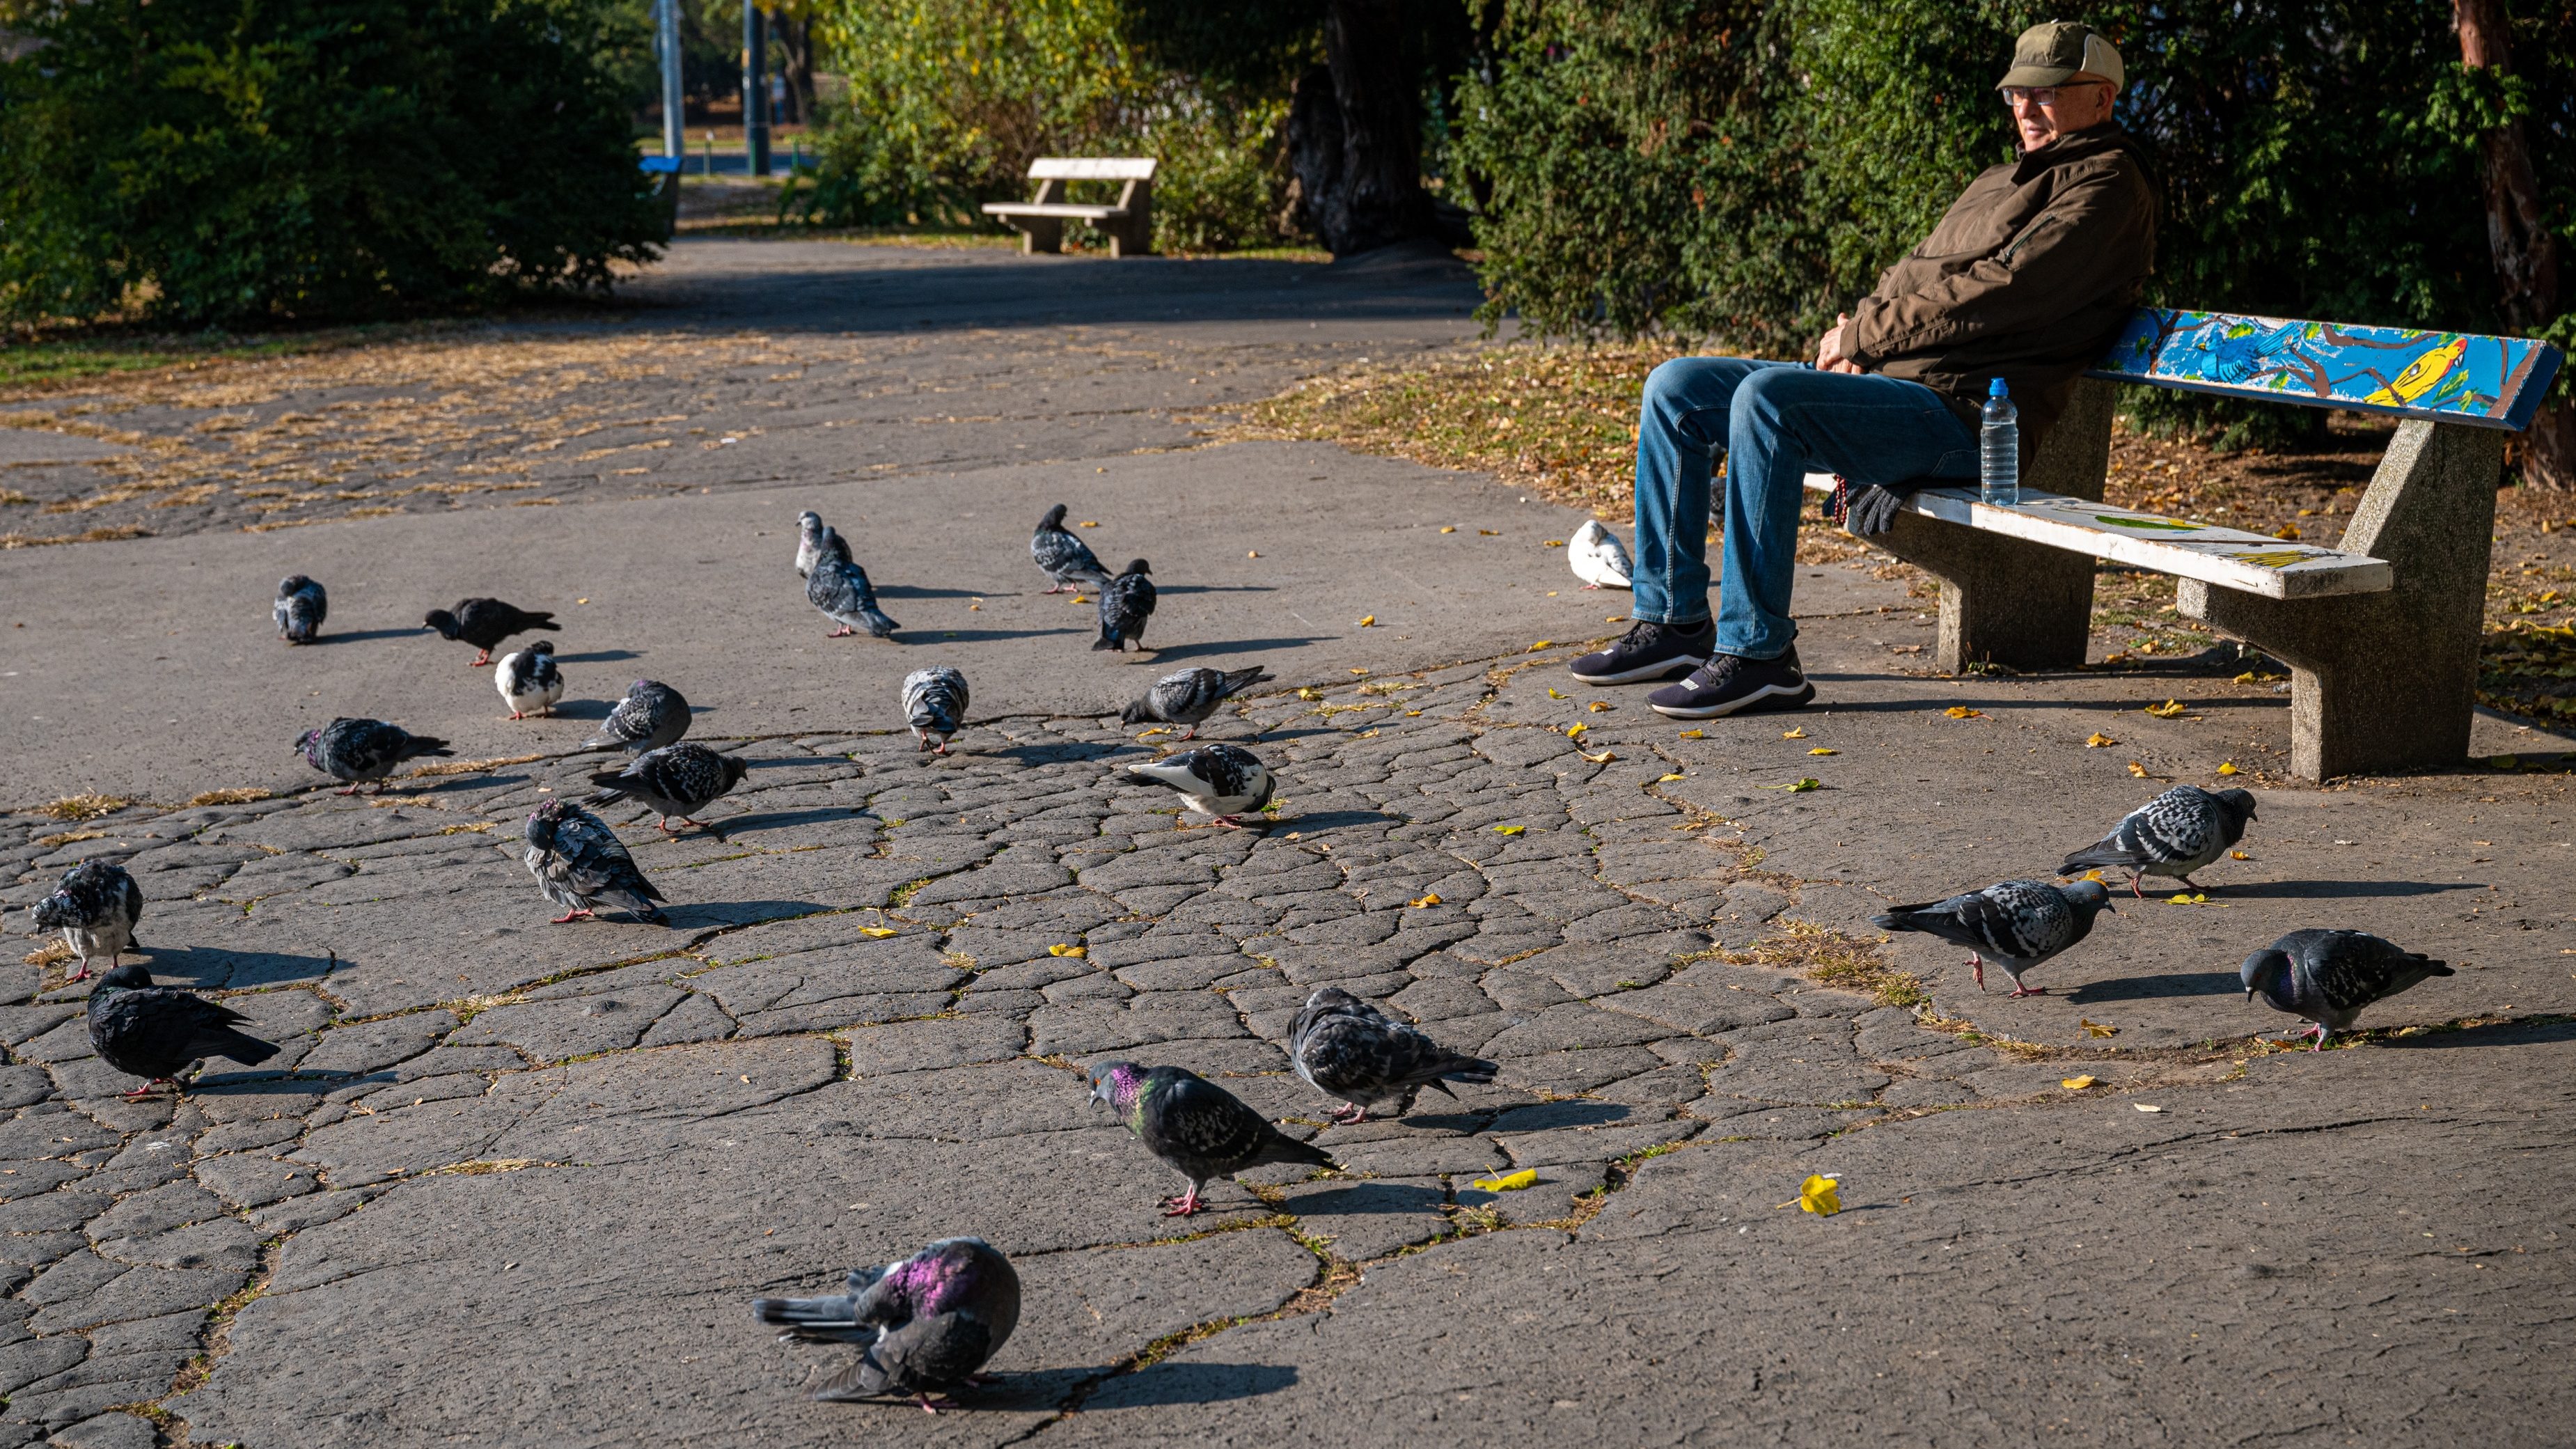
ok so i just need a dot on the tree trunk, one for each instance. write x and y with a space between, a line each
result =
2519 241
1355 133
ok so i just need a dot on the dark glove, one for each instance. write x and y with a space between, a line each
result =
1873 509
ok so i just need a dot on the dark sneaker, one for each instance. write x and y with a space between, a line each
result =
1728 684
1650 651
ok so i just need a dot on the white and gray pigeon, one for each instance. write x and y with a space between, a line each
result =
1190 696
2020 923
1345 1047
2174 834
581 864
2329 976
1598 558
840 588
359 751
95 908
680 779
300 609
934 704
529 681
1066 560
1218 780
809 536
650 716
927 1323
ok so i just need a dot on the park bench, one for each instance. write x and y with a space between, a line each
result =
2380 632
1040 219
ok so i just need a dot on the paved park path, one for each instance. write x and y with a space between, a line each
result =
511 1183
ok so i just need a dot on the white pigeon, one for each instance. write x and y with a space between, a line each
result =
1597 557
1219 780
529 681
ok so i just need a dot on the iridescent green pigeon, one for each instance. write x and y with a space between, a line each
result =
1199 1129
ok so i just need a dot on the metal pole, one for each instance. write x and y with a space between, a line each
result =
666 38
755 87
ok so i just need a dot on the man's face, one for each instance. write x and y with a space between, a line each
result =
2044 113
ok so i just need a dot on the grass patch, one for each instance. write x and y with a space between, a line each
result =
470 767
84 807
53 953
40 362
242 795
1832 958
69 837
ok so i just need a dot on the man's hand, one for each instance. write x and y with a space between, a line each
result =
1829 348
1872 510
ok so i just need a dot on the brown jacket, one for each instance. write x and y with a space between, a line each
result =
2029 278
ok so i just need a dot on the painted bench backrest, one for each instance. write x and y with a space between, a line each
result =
1092 168
2444 377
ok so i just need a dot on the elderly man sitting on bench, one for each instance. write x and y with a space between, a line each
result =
2028 278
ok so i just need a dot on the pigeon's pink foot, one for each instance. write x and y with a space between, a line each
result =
514 714
1357 1115
841 632
664 825
943 748
1591 588
932 1406
352 790
1977 964
481 659
1184 1205
2133 887
141 1092
2020 990
581 915
1057 589
1190 733
1230 823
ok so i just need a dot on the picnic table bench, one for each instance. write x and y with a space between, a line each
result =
2380 631
1040 220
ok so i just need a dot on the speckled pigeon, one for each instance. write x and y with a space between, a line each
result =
809 538
357 751
95 908
153 1032
1344 1047
484 623
927 1323
1190 696
1066 560
1199 1129
2174 834
1219 780
1126 603
650 716
300 609
2019 922
680 779
579 862
528 679
2329 976
934 704
841 590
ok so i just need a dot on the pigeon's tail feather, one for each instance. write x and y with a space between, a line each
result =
538 621
597 743
223 1041
1901 918
813 1319
876 623
863 1379
426 745
606 797
1239 680
1475 1071
2102 856
1289 1149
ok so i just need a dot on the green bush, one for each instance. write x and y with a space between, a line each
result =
1222 182
230 161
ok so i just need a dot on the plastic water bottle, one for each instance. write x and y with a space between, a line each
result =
1999 449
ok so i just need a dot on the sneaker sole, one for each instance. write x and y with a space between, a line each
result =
1769 699
1669 669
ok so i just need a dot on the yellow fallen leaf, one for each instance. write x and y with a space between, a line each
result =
1427 901
1359 671
1514 1182
1821 1195
2170 709
1310 692
1821 750
2288 530
1542 644
1088 523
2227 767
1598 705
2092 875
2120 658
2187 898
1575 731
581 601
2137 769
2238 855
1552 543
1612 618
2076 1084
2144 1107
1413 714
1554 693
1509 829
876 933
1061 949
1961 711
1602 758
1694 734
1490 532
1252 553
1799 733
1156 730
2095 1028
1368 621
1452 528
2098 740
1080 599
1666 779
1795 786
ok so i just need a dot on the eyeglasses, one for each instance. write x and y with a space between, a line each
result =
2044 97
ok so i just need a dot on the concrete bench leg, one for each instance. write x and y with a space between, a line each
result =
2387 682
1040 234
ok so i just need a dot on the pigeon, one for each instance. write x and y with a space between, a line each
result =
680 779
809 536
840 589
1598 559
1126 602
927 1322
578 860
300 609
2329 976
95 908
356 751
1066 560
1197 1128
484 623
1189 697
2020 922
2174 834
1344 1047
650 716
153 1032
1219 780
528 679
934 702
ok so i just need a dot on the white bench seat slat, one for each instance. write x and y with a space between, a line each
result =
1092 168
2228 557
1053 208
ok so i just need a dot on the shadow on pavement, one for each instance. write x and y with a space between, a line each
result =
597 656
360 637
2149 988
2520 1033
211 968
1172 1383
2306 890
1169 652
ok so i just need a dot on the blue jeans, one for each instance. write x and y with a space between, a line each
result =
1777 421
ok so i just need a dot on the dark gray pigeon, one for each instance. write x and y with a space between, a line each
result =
1190 696
300 609
1199 1129
650 716
2329 976
680 779
1344 1047
1219 780
934 704
153 1032
528 679
841 590
1066 560
484 623
95 908
2174 834
579 863
2020 923
927 1323
1126 603
361 750
809 541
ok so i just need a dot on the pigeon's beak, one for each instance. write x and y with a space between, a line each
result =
2249 994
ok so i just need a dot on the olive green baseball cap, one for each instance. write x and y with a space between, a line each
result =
2053 54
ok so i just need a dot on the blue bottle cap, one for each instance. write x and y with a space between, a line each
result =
1995 388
